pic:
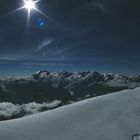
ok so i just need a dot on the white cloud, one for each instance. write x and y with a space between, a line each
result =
97 5
9 110
44 44
33 108
8 57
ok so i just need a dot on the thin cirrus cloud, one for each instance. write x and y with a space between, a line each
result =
8 57
97 5
44 44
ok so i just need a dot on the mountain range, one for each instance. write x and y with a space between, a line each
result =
45 86
44 90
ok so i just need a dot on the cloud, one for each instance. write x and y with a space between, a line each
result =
44 44
9 110
8 57
33 108
97 5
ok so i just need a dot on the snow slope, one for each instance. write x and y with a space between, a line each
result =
110 117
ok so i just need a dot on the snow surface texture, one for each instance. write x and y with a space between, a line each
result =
110 117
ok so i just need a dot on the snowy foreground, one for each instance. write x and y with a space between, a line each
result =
111 117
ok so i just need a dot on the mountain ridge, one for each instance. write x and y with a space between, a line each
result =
113 116
33 94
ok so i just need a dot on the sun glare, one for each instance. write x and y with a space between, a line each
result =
29 4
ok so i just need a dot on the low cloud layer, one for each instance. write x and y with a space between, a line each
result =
11 111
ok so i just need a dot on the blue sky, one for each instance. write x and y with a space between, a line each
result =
72 35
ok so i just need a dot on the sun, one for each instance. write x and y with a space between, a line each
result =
29 4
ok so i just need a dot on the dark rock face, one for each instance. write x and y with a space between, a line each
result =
81 84
22 91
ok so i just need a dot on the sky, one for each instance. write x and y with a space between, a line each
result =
71 35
